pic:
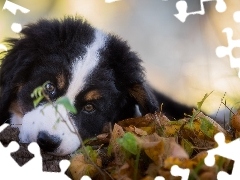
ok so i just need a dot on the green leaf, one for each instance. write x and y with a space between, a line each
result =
38 96
187 145
109 150
207 127
37 92
199 104
88 151
37 100
129 143
67 104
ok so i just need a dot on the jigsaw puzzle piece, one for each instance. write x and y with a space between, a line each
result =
182 7
221 6
182 10
210 158
7 163
33 169
236 16
3 47
2 127
222 51
34 165
177 171
223 176
111 1
64 164
85 178
5 151
12 7
235 172
228 150
220 150
220 138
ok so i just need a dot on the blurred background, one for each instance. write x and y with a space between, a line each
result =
179 58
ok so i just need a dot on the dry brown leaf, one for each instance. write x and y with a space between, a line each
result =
175 150
200 156
98 140
208 176
183 163
116 148
235 123
216 127
155 151
152 170
148 178
124 172
167 175
79 167
145 123
183 126
158 148
156 135
170 128
194 136
102 136
136 130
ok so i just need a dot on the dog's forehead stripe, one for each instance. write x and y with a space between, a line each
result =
82 67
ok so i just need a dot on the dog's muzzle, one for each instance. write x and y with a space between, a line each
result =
48 142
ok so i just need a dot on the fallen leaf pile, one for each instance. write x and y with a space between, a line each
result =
145 147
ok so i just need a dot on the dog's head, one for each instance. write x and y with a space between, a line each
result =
98 73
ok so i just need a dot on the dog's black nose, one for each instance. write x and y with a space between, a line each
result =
48 142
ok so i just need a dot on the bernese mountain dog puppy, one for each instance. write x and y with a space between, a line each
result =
96 71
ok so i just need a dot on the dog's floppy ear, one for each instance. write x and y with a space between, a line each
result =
5 100
11 70
129 74
144 97
6 90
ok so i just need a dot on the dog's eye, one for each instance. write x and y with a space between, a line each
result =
89 108
49 88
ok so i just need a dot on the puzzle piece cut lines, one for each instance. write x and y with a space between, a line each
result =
182 9
228 150
222 51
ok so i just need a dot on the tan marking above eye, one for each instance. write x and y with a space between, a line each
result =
92 95
61 81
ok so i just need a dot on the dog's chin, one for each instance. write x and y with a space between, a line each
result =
62 152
